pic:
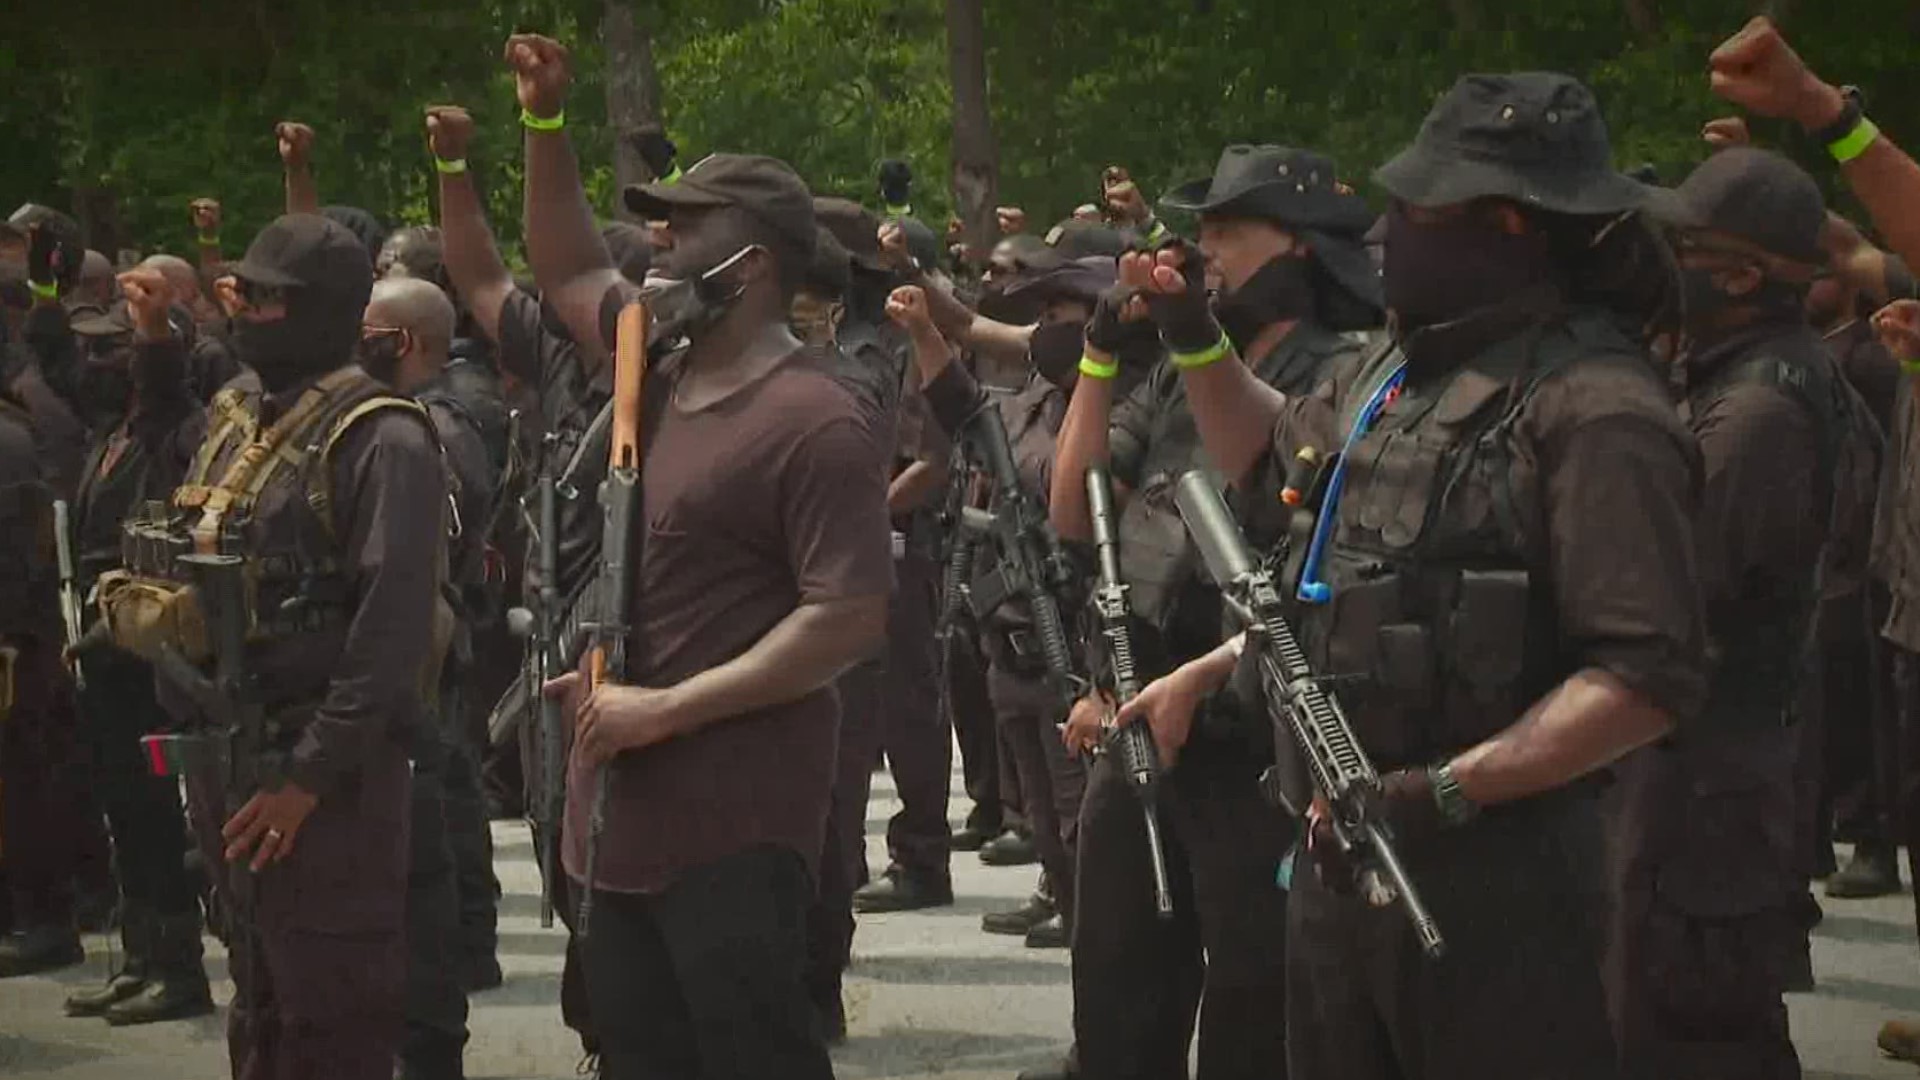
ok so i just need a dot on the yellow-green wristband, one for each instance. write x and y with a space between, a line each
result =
1856 141
1211 354
209 239
49 291
673 176
543 123
450 168
1094 369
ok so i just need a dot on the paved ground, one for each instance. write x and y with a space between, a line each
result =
929 995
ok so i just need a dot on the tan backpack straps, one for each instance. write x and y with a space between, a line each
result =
244 476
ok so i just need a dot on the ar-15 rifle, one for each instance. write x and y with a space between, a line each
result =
541 631
69 585
1139 758
234 743
1029 563
1343 776
619 506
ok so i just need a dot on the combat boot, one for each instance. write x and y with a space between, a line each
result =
39 948
901 890
136 932
176 985
1017 922
1010 848
1873 871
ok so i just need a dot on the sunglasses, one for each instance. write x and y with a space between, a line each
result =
257 295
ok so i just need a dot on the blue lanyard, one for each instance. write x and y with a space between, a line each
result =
1312 589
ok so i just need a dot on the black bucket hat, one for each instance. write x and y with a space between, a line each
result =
1753 195
1534 137
1296 188
1076 279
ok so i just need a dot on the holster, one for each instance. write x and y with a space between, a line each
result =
144 613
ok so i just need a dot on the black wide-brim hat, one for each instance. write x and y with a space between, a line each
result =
1298 189
1536 138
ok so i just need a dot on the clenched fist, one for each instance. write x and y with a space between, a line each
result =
907 307
540 73
1726 131
296 144
1757 70
449 131
1898 327
206 216
149 295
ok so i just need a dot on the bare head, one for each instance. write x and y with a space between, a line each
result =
406 333
179 273
97 284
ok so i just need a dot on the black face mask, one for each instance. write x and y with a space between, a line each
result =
318 334
1438 273
103 387
1703 299
1055 350
380 356
1279 291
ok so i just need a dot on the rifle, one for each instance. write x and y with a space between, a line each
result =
1343 776
1029 563
1139 758
619 507
549 802
69 588
234 743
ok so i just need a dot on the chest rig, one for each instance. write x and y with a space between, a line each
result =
256 490
1436 626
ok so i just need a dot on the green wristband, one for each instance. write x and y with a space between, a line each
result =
1210 355
539 123
450 168
673 176
209 239
1094 369
1855 142
49 291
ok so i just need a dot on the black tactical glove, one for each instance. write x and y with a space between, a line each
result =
1185 319
656 150
1107 331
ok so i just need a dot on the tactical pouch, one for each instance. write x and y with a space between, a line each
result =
144 613
1488 632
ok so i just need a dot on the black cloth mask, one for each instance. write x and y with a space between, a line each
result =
318 334
380 356
1280 291
1055 351
1437 273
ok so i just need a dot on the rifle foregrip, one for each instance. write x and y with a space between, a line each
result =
1053 637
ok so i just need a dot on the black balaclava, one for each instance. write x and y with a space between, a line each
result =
319 332
1437 273
1281 290
1055 350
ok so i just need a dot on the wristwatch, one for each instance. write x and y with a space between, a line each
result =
1853 109
1454 806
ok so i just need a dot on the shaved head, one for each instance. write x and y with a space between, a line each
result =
97 284
414 305
179 274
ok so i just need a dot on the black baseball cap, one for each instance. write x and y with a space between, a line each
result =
308 252
1753 195
65 230
765 187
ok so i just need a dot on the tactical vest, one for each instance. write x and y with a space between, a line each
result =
470 390
1761 651
1438 633
262 492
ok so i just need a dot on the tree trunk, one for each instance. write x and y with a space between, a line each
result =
633 88
976 164
1466 14
1643 18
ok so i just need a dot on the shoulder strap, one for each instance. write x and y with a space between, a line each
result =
320 480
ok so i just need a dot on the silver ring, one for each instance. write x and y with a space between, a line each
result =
274 834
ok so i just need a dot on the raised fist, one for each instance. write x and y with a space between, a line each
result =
1726 131
540 73
893 248
907 307
148 297
1122 198
449 131
1757 70
1011 219
296 144
206 216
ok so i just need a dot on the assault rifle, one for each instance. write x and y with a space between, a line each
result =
541 631
1342 774
1139 758
620 508
69 585
1029 563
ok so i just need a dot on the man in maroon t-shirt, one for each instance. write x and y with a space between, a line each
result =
763 574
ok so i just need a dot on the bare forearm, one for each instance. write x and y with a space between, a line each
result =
472 258
569 260
802 653
1235 413
1081 444
1001 342
1888 183
1587 723
915 487
303 195
931 354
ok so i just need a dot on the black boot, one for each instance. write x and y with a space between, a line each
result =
898 890
1010 848
1873 871
176 986
1016 923
40 948
1051 934
136 933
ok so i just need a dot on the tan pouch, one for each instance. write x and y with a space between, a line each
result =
143 613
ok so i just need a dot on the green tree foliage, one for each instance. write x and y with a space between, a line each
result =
126 112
